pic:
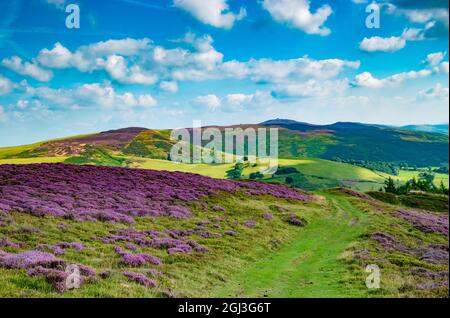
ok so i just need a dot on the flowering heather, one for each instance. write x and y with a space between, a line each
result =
59 248
428 222
55 277
27 260
136 260
89 193
6 242
140 279
267 216
435 253
250 223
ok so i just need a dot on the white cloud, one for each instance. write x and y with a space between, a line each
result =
379 44
437 92
216 12
313 88
425 15
366 79
58 57
297 14
305 67
171 87
91 95
33 70
22 104
211 101
391 44
116 66
434 59
6 86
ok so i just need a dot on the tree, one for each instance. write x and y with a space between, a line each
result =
390 186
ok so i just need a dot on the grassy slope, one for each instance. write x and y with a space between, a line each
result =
190 275
309 266
273 259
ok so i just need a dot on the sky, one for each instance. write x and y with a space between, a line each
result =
166 63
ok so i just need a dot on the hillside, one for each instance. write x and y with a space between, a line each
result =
141 233
362 142
349 155
440 129
339 141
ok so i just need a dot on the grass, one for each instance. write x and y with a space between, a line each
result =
214 170
22 161
273 259
192 275
310 265
406 175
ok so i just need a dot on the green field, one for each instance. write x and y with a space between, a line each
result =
23 161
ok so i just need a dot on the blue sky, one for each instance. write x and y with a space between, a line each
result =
165 63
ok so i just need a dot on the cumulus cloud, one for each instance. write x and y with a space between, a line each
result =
433 59
6 86
211 101
91 95
32 69
216 13
433 14
297 13
366 79
168 86
3 115
391 44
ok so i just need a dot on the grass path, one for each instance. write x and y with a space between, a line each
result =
309 266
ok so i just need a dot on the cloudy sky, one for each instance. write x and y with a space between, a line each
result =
165 63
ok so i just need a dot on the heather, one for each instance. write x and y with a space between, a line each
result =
430 222
232 244
410 246
88 193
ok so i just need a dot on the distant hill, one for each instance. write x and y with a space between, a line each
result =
439 129
356 141
342 141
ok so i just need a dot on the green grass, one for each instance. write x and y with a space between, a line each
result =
214 170
309 266
22 161
406 175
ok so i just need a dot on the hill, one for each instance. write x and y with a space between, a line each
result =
354 141
439 129
340 141
141 233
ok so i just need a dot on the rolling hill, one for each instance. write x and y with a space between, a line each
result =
339 141
351 155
